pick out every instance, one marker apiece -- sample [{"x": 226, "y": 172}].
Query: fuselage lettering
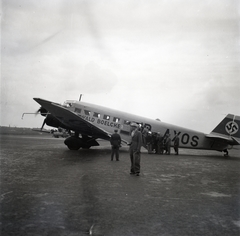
[
  {"x": 101, "y": 122},
  {"x": 88, "y": 118},
  {"x": 194, "y": 142},
  {"x": 175, "y": 134},
  {"x": 108, "y": 123},
  {"x": 185, "y": 138}
]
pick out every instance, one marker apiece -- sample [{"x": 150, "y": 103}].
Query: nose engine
[{"x": 49, "y": 120}]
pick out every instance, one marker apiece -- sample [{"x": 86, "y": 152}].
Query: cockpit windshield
[{"x": 68, "y": 103}]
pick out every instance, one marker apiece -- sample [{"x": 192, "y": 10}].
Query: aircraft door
[{"x": 125, "y": 129}]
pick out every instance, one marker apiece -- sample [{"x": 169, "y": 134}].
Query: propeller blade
[
  {"x": 42, "y": 111},
  {"x": 44, "y": 122}
]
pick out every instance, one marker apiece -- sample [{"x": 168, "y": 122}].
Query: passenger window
[
  {"x": 126, "y": 122},
  {"x": 97, "y": 115},
  {"x": 116, "y": 119},
  {"x": 87, "y": 112},
  {"x": 106, "y": 117}
]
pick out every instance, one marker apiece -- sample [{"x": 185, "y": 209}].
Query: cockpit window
[
  {"x": 77, "y": 110},
  {"x": 68, "y": 103}
]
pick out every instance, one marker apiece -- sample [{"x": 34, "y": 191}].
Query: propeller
[
  {"x": 42, "y": 111},
  {"x": 44, "y": 122}
]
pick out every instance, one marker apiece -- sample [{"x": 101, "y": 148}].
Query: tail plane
[{"x": 229, "y": 126}]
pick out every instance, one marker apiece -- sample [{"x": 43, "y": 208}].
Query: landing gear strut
[
  {"x": 225, "y": 152},
  {"x": 74, "y": 142}
]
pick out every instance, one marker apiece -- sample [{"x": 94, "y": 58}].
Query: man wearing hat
[
  {"x": 135, "y": 147},
  {"x": 168, "y": 144},
  {"x": 176, "y": 144},
  {"x": 115, "y": 141}
]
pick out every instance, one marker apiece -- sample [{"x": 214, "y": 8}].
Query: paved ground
[{"x": 48, "y": 190}]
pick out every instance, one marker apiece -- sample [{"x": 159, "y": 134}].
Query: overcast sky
[{"x": 176, "y": 60}]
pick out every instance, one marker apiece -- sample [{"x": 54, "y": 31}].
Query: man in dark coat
[
  {"x": 176, "y": 144},
  {"x": 160, "y": 147},
  {"x": 135, "y": 148},
  {"x": 115, "y": 141},
  {"x": 149, "y": 142}
]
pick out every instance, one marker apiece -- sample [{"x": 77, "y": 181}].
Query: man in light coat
[
  {"x": 168, "y": 144},
  {"x": 135, "y": 148}
]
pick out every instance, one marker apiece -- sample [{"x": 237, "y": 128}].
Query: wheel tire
[{"x": 71, "y": 147}]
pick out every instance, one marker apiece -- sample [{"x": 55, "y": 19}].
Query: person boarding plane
[{"x": 88, "y": 122}]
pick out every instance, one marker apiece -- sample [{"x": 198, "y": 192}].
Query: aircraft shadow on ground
[{"x": 86, "y": 155}]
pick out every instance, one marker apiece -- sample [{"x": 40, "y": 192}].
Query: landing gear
[
  {"x": 71, "y": 147},
  {"x": 225, "y": 152},
  {"x": 74, "y": 142}
]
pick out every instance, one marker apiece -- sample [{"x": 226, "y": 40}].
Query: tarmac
[{"x": 47, "y": 189}]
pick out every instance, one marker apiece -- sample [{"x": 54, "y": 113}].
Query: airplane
[
  {"x": 89, "y": 122},
  {"x": 57, "y": 133},
  {"x": 60, "y": 133}
]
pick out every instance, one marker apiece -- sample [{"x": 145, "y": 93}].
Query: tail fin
[{"x": 229, "y": 126}]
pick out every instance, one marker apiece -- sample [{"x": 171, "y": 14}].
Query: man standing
[
  {"x": 159, "y": 143},
  {"x": 149, "y": 141},
  {"x": 168, "y": 144},
  {"x": 115, "y": 141},
  {"x": 135, "y": 148},
  {"x": 144, "y": 135},
  {"x": 176, "y": 144}
]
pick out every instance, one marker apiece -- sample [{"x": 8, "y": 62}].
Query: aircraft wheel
[
  {"x": 73, "y": 143},
  {"x": 86, "y": 147},
  {"x": 73, "y": 147}
]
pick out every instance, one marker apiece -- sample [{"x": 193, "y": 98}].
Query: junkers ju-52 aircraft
[{"x": 89, "y": 122}]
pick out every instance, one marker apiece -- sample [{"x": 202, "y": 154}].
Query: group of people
[
  {"x": 153, "y": 141},
  {"x": 156, "y": 143}
]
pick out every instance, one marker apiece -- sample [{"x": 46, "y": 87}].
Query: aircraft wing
[
  {"x": 229, "y": 139},
  {"x": 72, "y": 121},
  {"x": 41, "y": 130}
]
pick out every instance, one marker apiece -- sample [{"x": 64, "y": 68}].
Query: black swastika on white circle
[{"x": 231, "y": 127}]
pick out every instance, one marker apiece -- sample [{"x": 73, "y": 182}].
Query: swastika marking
[{"x": 231, "y": 127}]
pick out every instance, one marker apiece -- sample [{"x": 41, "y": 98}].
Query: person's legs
[
  {"x": 137, "y": 158},
  {"x": 117, "y": 153},
  {"x": 112, "y": 154},
  {"x": 132, "y": 170}
]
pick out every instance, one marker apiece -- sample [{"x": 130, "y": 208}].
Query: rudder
[{"x": 229, "y": 126}]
